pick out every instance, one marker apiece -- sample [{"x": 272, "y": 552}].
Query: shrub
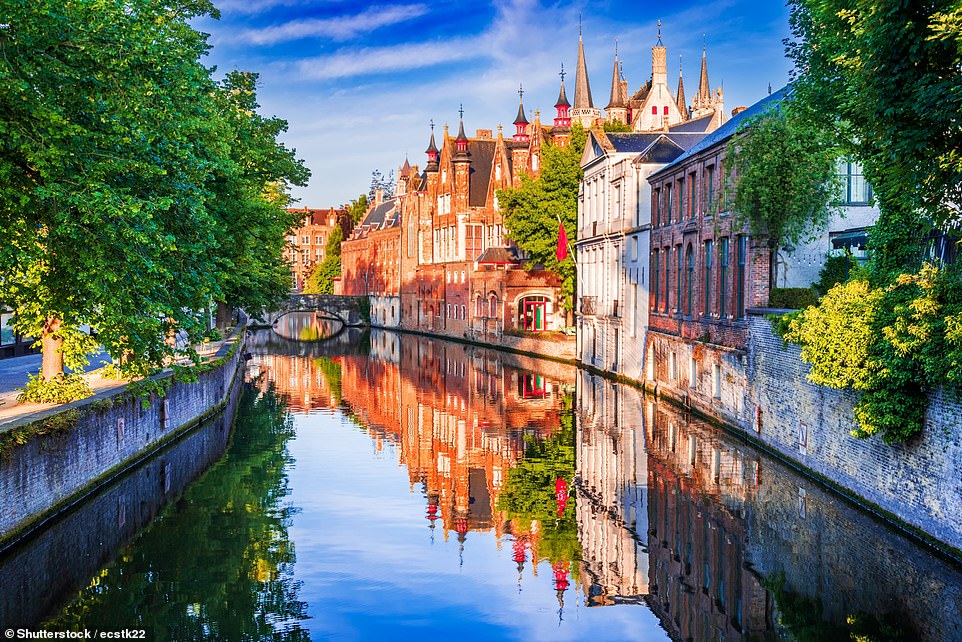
[
  {"x": 835, "y": 271},
  {"x": 792, "y": 298},
  {"x": 63, "y": 389}
]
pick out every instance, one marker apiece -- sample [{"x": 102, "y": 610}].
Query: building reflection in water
[{"x": 628, "y": 499}]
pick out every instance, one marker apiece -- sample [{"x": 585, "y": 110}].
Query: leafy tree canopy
[
  {"x": 884, "y": 77},
  {"x": 784, "y": 173},
  {"x": 532, "y": 210},
  {"x": 124, "y": 194}
]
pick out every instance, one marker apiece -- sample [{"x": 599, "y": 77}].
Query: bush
[
  {"x": 792, "y": 298},
  {"x": 835, "y": 271},
  {"x": 63, "y": 389}
]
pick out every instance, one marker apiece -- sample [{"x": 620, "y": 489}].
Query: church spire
[
  {"x": 617, "y": 109},
  {"x": 461, "y": 142},
  {"x": 584, "y": 109},
  {"x": 703, "y": 98},
  {"x": 680, "y": 95}
]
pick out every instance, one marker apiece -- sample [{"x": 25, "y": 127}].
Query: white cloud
[
  {"x": 350, "y": 62},
  {"x": 340, "y": 28}
]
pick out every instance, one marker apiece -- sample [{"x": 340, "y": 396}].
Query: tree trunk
[
  {"x": 225, "y": 315},
  {"x": 52, "y": 362}
]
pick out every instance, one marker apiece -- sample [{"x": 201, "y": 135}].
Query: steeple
[
  {"x": 617, "y": 109},
  {"x": 520, "y": 121},
  {"x": 432, "y": 152},
  {"x": 703, "y": 98},
  {"x": 461, "y": 142},
  {"x": 584, "y": 109},
  {"x": 680, "y": 94},
  {"x": 659, "y": 62}
]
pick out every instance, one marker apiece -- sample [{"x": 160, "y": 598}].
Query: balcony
[{"x": 589, "y": 305}]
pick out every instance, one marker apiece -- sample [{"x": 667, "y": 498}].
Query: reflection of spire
[
  {"x": 519, "y": 556},
  {"x": 561, "y": 585}
]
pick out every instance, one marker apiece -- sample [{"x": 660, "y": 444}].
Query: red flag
[{"x": 562, "y": 252}]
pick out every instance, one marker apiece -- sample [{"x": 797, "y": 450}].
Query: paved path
[{"x": 13, "y": 375}]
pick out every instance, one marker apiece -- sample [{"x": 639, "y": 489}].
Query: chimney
[{"x": 378, "y": 196}]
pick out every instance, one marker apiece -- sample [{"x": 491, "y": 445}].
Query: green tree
[
  {"x": 249, "y": 198},
  {"x": 321, "y": 278},
  {"x": 883, "y": 76},
  {"x": 117, "y": 145},
  {"x": 784, "y": 178},
  {"x": 533, "y": 210}
]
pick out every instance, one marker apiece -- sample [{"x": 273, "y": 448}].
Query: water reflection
[
  {"x": 218, "y": 565},
  {"x": 307, "y": 326},
  {"x": 437, "y": 489}
]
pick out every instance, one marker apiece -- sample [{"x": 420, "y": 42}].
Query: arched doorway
[{"x": 531, "y": 313}]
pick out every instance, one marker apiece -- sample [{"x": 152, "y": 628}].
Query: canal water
[{"x": 393, "y": 487}]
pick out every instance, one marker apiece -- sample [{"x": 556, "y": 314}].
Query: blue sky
[{"x": 359, "y": 83}]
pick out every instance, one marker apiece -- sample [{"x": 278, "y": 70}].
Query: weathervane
[
  {"x": 659, "y": 33},
  {"x": 520, "y": 93},
  {"x": 562, "y": 74},
  {"x": 461, "y": 111},
  {"x": 432, "y": 125}
]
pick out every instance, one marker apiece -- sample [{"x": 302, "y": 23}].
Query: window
[
  {"x": 305, "y": 240},
  {"x": 7, "y": 336},
  {"x": 673, "y": 366},
  {"x": 667, "y": 204},
  {"x": 665, "y": 110},
  {"x": 716, "y": 381},
  {"x": 693, "y": 373},
  {"x": 654, "y": 110},
  {"x": 318, "y": 240},
  {"x": 709, "y": 188},
  {"x": 692, "y": 182},
  {"x": 708, "y": 265},
  {"x": 854, "y": 189},
  {"x": 656, "y": 203},
  {"x": 679, "y": 268},
  {"x": 634, "y": 248},
  {"x": 723, "y": 278},
  {"x": 690, "y": 259},
  {"x": 740, "y": 277},
  {"x": 681, "y": 192},
  {"x": 667, "y": 254},
  {"x": 656, "y": 282}
]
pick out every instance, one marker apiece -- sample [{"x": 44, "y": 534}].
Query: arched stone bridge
[{"x": 349, "y": 310}]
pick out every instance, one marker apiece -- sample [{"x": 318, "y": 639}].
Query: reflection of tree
[
  {"x": 331, "y": 369},
  {"x": 217, "y": 564},
  {"x": 529, "y": 493}
]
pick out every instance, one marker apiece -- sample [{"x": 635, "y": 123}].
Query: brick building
[
  {"x": 434, "y": 256},
  {"x": 707, "y": 270},
  {"x": 307, "y": 243}
]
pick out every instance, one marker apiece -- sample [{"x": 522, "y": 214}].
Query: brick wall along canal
[{"x": 397, "y": 486}]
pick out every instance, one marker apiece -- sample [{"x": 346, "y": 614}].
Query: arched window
[
  {"x": 690, "y": 259},
  {"x": 479, "y": 307},
  {"x": 493, "y": 305}
]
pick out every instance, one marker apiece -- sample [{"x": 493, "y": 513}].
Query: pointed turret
[
  {"x": 520, "y": 121},
  {"x": 584, "y": 109},
  {"x": 461, "y": 142},
  {"x": 680, "y": 94},
  {"x": 432, "y": 152},
  {"x": 617, "y": 109}
]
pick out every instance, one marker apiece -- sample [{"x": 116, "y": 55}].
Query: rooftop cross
[
  {"x": 562, "y": 74},
  {"x": 461, "y": 110},
  {"x": 659, "y": 33}
]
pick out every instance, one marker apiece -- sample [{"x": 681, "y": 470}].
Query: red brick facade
[{"x": 307, "y": 244}]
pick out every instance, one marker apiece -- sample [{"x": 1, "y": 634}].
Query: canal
[{"x": 385, "y": 486}]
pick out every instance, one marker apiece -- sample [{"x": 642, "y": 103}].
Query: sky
[{"x": 360, "y": 83}]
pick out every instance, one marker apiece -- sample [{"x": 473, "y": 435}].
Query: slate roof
[
  {"x": 498, "y": 256},
  {"x": 727, "y": 130},
  {"x": 481, "y": 153},
  {"x": 695, "y": 125},
  {"x": 382, "y": 216}
]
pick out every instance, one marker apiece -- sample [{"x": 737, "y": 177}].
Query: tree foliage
[
  {"x": 784, "y": 176},
  {"x": 888, "y": 74},
  {"x": 892, "y": 344},
  {"x": 533, "y": 210},
  {"x": 321, "y": 278},
  {"x": 134, "y": 189}
]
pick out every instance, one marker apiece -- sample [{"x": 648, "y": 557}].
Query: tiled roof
[
  {"x": 727, "y": 130},
  {"x": 695, "y": 125},
  {"x": 384, "y": 215}
]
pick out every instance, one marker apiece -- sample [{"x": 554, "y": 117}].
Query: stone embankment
[{"x": 52, "y": 460}]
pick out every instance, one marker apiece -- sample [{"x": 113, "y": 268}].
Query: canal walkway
[{"x": 14, "y": 374}]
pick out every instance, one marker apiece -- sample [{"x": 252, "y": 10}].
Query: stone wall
[
  {"x": 48, "y": 570},
  {"x": 70, "y": 451},
  {"x": 919, "y": 482}
]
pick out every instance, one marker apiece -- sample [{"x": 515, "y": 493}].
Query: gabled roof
[
  {"x": 382, "y": 216},
  {"x": 481, "y": 153},
  {"x": 726, "y": 131},
  {"x": 663, "y": 150},
  {"x": 695, "y": 125},
  {"x": 498, "y": 256}
]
